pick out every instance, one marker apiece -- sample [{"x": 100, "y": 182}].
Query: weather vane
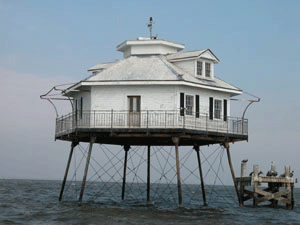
[{"x": 150, "y": 26}]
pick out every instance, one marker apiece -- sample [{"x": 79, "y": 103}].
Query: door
[{"x": 134, "y": 105}]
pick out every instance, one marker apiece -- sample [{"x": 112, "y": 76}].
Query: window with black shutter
[{"x": 211, "y": 108}]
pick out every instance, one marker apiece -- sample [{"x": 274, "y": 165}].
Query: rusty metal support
[
  {"x": 126, "y": 149},
  {"x": 92, "y": 141},
  {"x": 176, "y": 142},
  {"x": 73, "y": 145},
  {"x": 197, "y": 149},
  {"x": 148, "y": 175},
  {"x": 226, "y": 145}
]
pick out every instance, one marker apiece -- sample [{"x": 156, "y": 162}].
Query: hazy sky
[{"x": 44, "y": 43}]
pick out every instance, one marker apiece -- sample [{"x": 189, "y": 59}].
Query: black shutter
[
  {"x": 181, "y": 104},
  {"x": 225, "y": 110},
  {"x": 76, "y": 112},
  {"x": 138, "y": 104},
  {"x": 211, "y": 108},
  {"x": 197, "y": 106},
  {"x": 81, "y": 107},
  {"x": 76, "y": 108}
]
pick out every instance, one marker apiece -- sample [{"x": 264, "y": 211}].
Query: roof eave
[{"x": 160, "y": 82}]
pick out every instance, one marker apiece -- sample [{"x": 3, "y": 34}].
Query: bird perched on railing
[
  {"x": 290, "y": 175},
  {"x": 272, "y": 172},
  {"x": 260, "y": 173}
]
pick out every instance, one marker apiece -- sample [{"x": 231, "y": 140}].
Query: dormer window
[
  {"x": 199, "y": 68},
  {"x": 207, "y": 70}
]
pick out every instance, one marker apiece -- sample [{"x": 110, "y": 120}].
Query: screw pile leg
[
  {"x": 226, "y": 145},
  {"x": 73, "y": 145},
  {"x": 148, "y": 176},
  {"x": 92, "y": 141},
  {"x": 197, "y": 149},
  {"x": 176, "y": 142},
  {"x": 126, "y": 149}
]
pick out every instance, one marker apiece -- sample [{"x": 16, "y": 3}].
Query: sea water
[{"x": 36, "y": 202}]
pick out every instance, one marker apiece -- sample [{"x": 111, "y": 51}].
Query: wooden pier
[{"x": 278, "y": 189}]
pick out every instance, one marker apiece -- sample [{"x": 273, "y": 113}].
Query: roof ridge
[{"x": 188, "y": 51}]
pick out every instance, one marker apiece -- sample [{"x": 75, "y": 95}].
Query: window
[
  {"x": 189, "y": 104},
  {"x": 199, "y": 68},
  {"x": 207, "y": 69},
  {"x": 218, "y": 109}
]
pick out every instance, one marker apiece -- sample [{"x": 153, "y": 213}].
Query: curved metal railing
[{"x": 149, "y": 119}]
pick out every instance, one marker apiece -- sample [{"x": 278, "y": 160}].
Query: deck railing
[{"x": 149, "y": 119}]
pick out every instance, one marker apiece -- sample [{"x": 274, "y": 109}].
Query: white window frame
[
  {"x": 208, "y": 71},
  {"x": 189, "y": 104},
  {"x": 197, "y": 66},
  {"x": 217, "y": 108}
]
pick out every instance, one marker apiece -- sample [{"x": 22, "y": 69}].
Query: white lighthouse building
[
  {"x": 156, "y": 95},
  {"x": 154, "y": 86}
]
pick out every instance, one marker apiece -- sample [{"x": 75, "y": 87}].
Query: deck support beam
[
  {"x": 227, "y": 146},
  {"x": 92, "y": 141},
  {"x": 176, "y": 142},
  {"x": 126, "y": 149},
  {"x": 73, "y": 145},
  {"x": 148, "y": 175},
  {"x": 197, "y": 149}
]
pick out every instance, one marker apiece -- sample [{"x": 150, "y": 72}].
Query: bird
[
  {"x": 260, "y": 174},
  {"x": 272, "y": 172}
]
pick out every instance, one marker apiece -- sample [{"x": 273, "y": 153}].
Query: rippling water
[{"x": 36, "y": 202}]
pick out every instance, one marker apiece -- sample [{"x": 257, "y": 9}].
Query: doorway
[{"x": 134, "y": 105}]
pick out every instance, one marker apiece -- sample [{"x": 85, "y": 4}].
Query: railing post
[
  {"x": 165, "y": 119},
  {"x": 111, "y": 118},
  {"x": 94, "y": 118},
  {"x": 147, "y": 118},
  {"x": 206, "y": 122}
]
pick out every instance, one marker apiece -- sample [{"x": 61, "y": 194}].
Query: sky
[{"x": 45, "y": 43}]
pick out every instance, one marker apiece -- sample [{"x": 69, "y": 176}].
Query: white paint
[
  {"x": 146, "y": 83},
  {"x": 152, "y": 97},
  {"x": 115, "y": 97},
  {"x": 148, "y": 47},
  {"x": 187, "y": 65},
  {"x": 208, "y": 55}
]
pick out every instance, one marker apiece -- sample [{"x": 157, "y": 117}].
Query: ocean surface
[{"x": 36, "y": 202}]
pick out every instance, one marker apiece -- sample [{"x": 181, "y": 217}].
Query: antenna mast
[{"x": 149, "y": 25}]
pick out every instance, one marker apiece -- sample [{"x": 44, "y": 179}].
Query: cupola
[{"x": 147, "y": 46}]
